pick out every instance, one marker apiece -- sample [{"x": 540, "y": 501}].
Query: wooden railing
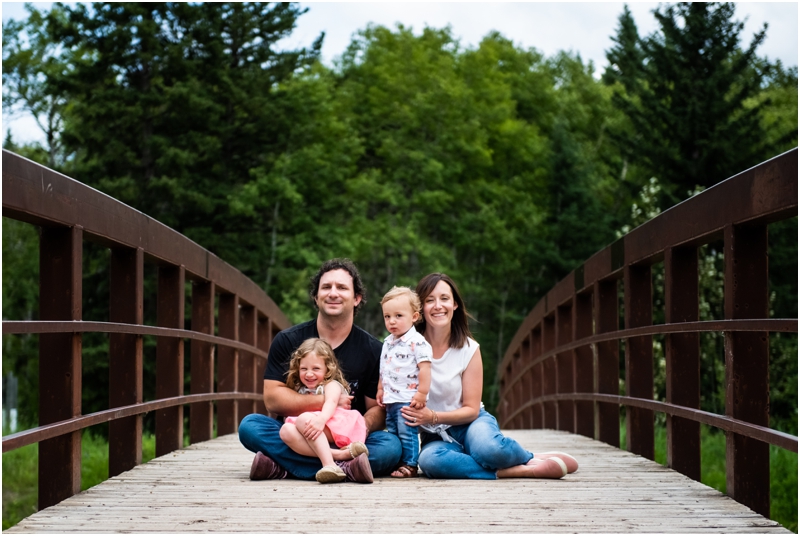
[
  {"x": 68, "y": 213},
  {"x": 561, "y": 369}
]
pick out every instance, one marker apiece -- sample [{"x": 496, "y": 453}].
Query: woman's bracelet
[{"x": 435, "y": 417}]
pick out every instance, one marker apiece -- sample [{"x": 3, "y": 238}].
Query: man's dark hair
[{"x": 339, "y": 264}]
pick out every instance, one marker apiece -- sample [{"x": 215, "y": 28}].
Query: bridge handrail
[
  {"x": 562, "y": 366},
  {"x": 70, "y": 212}
]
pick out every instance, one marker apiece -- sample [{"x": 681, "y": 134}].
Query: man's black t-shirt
[{"x": 359, "y": 357}]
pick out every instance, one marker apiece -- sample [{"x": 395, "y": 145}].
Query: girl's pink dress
[{"x": 346, "y": 425}]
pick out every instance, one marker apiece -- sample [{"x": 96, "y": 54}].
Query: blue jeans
[
  {"x": 261, "y": 433},
  {"x": 481, "y": 450},
  {"x": 408, "y": 435}
]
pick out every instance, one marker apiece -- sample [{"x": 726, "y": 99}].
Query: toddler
[
  {"x": 405, "y": 372},
  {"x": 313, "y": 369}
]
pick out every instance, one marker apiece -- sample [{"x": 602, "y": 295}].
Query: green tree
[{"x": 685, "y": 89}]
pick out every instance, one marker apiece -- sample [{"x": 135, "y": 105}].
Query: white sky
[{"x": 582, "y": 27}]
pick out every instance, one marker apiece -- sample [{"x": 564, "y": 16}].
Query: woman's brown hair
[{"x": 459, "y": 326}]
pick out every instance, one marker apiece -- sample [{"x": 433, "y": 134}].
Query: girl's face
[
  {"x": 439, "y": 306},
  {"x": 399, "y": 316},
  {"x": 312, "y": 370}
]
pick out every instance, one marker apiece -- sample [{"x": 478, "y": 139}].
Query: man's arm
[
  {"x": 282, "y": 400},
  {"x": 375, "y": 415}
]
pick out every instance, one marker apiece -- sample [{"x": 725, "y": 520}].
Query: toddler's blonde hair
[
  {"x": 413, "y": 299},
  {"x": 323, "y": 350}
]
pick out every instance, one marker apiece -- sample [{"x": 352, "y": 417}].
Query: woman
[{"x": 459, "y": 438}]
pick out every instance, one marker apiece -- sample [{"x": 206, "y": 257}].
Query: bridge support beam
[
  {"x": 125, "y": 358},
  {"x": 640, "y": 424},
  {"x": 747, "y": 364},
  {"x": 228, "y": 364},
  {"x": 565, "y": 371},
  {"x": 247, "y": 361},
  {"x": 201, "y": 414},
  {"x": 583, "y": 364},
  {"x": 683, "y": 359},
  {"x": 606, "y": 319},
  {"x": 169, "y": 358},
  {"x": 60, "y": 292}
]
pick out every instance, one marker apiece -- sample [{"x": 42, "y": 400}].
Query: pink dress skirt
[{"x": 346, "y": 425}]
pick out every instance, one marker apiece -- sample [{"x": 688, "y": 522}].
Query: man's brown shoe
[
  {"x": 265, "y": 468},
  {"x": 357, "y": 469}
]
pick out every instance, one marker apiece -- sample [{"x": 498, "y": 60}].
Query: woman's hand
[{"x": 417, "y": 416}]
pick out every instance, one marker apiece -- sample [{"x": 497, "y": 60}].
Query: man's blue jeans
[
  {"x": 408, "y": 435},
  {"x": 261, "y": 433},
  {"x": 481, "y": 450}
]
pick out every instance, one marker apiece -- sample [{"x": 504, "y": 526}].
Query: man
[{"x": 337, "y": 293}]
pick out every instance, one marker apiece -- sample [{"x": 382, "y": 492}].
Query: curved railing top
[
  {"x": 41, "y": 196},
  {"x": 756, "y": 196}
]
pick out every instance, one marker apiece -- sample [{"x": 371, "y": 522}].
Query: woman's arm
[{"x": 471, "y": 392}]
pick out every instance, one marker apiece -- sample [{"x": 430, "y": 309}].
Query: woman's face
[{"x": 439, "y": 306}]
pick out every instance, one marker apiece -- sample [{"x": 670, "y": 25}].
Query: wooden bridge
[{"x": 560, "y": 373}]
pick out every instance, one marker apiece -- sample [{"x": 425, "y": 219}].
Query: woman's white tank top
[{"x": 446, "y": 392}]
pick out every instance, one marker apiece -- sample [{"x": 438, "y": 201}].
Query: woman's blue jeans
[
  {"x": 481, "y": 450},
  {"x": 261, "y": 433}
]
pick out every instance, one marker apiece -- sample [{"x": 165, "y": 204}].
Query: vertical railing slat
[
  {"x": 681, "y": 296},
  {"x": 125, "y": 367},
  {"x": 549, "y": 372},
  {"x": 583, "y": 360},
  {"x": 564, "y": 363},
  {"x": 606, "y": 319},
  {"x": 169, "y": 358},
  {"x": 201, "y": 414},
  {"x": 228, "y": 364},
  {"x": 263, "y": 342},
  {"x": 747, "y": 364},
  {"x": 640, "y": 424},
  {"x": 247, "y": 363},
  {"x": 60, "y": 292}
]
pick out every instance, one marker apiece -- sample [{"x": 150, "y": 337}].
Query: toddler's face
[
  {"x": 312, "y": 370},
  {"x": 398, "y": 316}
]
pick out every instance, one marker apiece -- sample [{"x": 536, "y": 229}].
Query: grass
[
  {"x": 20, "y": 468},
  {"x": 782, "y": 471}
]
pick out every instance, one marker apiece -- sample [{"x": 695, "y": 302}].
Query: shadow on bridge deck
[{"x": 205, "y": 488}]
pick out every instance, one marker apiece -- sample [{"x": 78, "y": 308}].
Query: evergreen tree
[{"x": 685, "y": 92}]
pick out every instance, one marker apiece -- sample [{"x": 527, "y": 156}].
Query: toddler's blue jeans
[{"x": 408, "y": 435}]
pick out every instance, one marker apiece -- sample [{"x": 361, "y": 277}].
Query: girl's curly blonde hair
[{"x": 323, "y": 350}]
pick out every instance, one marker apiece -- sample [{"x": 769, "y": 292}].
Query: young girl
[{"x": 313, "y": 369}]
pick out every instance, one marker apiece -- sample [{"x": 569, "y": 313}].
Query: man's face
[{"x": 335, "y": 296}]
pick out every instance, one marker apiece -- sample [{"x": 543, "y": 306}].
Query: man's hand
[
  {"x": 418, "y": 400},
  {"x": 345, "y": 400}
]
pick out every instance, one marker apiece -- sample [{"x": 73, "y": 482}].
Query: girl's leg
[
  {"x": 295, "y": 440},
  {"x": 320, "y": 445}
]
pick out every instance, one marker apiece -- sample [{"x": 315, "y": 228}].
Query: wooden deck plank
[{"x": 205, "y": 488}]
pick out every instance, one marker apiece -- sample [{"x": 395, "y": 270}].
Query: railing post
[
  {"x": 169, "y": 358},
  {"x": 606, "y": 320},
  {"x": 683, "y": 358},
  {"x": 527, "y": 386},
  {"x": 60, "y": 290},
  {"x": 228, "y": 364},
  {"x": 537, "y": 381},
  {"x": 565, "y": 372},
  {"x": 125, "y": 384},
  {"x": 263, "y": 341},
  {"x": 583, "y": 364},
  {"x": 247, "y": 361},
  {"x": 549, "y": 372},
  {"x": 747, "y": 364},
  {"x": 201, "y": 414},
  {"x": 640, "y": 425}
]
